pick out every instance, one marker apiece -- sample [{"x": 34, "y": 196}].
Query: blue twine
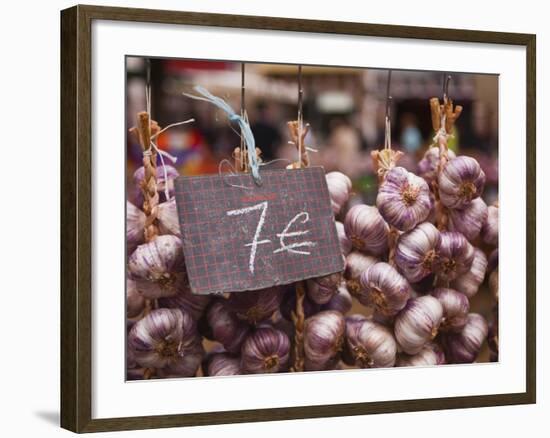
[{"x": 243, "y": 124}]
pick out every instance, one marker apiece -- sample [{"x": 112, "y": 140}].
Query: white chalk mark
[
  {"x": 254, "y": 245},
  {"x": 285, "y": 234}
]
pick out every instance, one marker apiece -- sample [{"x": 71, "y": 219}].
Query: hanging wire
[
  {"x": 148, "y": 85},
  {"x": 300, "y": 115},
  {"x": 446, "y": 80},
  {"x": 387, "y": 136},
  {"x": 243, "y": 111}
]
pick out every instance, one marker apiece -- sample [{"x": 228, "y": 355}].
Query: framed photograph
[{"x": 268, "y": 219}]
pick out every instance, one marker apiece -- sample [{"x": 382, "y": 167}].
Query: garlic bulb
[
  {"x": 135, "y": 303},
  {"x": 257, "y": 305},
  {"x": 172, "y": 174},
  {"x": 356, "y": 264},
  {"x": 366, "y": 229},
  {"x": 429, "y": 355},
  {"x": 341, "y": 302},
  {"x": 323, "y": 336},
  {"x": 368, "y": 344},
  {"x": 416, "y": 251},
  {"x": 460, "y": 181},
  {"x": 167, "y": 215},
  {"x": 455, "y": 308},
  {"x": 163, "y": 338},
  {"x": 418, "y": 323},
  {"x": 469, "y": 220},
  {"x": 288, "y": 305},
  {"x": 266, "y": 350},
  {"x": 320, "y": 290},
  {"x": 456, "y": 255},
  {"x": 339, "y": 188},
  {"x": 490, "y": 228},
  {"x": 331, "y": 364},
  {"x": 403, "y": 199},
  {"x": 158, "y": 267},
  {"x": 223, "y": 364},
  {"x": 225, "y": 327},
  {"x": 135, "y": 227},
  {"x": 427, "y": 166},
  {"x": 187, "y": 366},
  {"x": 187, "y": 300},
  {"x": 345, "y": 243},
  {"x": 492, "y": 262},
  {"x": 469, "y": 282},
  {"x": 464, "y": 347},
  {"x": 384, "y": 289}
]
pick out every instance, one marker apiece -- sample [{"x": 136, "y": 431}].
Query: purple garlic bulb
[
  {"x": 385, "y": 289},
  {"x": 403, "y": 199},
  {"x": 366, "y": 229},
  {"x": 187, "y": 300},
  {"x": 455, "y": 308},
  {"x": 456, "y": 255},
  {"x": 489, "y": 232},
  {"x": 464, "y": 347},
  {"x": 163, "y": 338},
  {"x": 469, "y": 220},
  {"x": 257, "y": 305},
  {"x": 339, "y": 188},
  {"x": 416, "y": 252},
  {"x": 187, "y": 366},
  {"x": 418, "y": 323},
  {"x": 492, "y": 262},
  {"x": 167, "y": 216},
  {"x": 172, "y": 173},
  {"x": 429, "y": 355},
  {"x": 223, "y": 364},
  {"x": 427, "y": 166},
  {"x": 225, "y": 327},
  {"x": 356, "y": 264},
  {"x": 469, "y": 282},
  {"x": 266, "y": 350},
  {"x": 158, "y": 267},
  {"x": 135, "y": 303},
  {"x": 288, "y": 305},
  {"x": 368, "y": 343},
  {"x": 345, "y": 243},
  {"x": 320, "y": 290},
  {"x": 460, "y": 181},
  {"x": 341, "y": 302},
  {"x": 135, "y": 227},
  {"x": 323, "y": 337}
]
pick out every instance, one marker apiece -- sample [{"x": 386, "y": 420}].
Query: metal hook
[
  {"x": 300, "y": 94},
  {"x": 148, "y": 85},
  {"x": 446, "y": 80},
  {"x": 388, "y": 97}
]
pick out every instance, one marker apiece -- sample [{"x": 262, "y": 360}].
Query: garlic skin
[
  {"x": 455, "y": 308},
  {"x": 416, "y": 251},
  {"x": 135, "y": 302},
  {"x": 489, "y": 232},
  {"x": 345, "y": 244},
  {"x": 163, "y": 338},
  {"x": 469, "y": 282},
  {"x": 323, "y": 336},
  {"x": 385, "y": 289},
  {"x": 257, "y": 305},
  {"x": 167, "y": 216},
  {"x": 135, "y": 227},
  {"x": 223, "y": 364},
  {"x": 339, "y": 188},
  {"x": 158, "y": 267},
  {"x": 366, "y": 229},
  {"x": 368, "y": 344},
  {"x": 356, "y": 264},
  {"x": 403, "y": 199},
  {"x": 464, "y": 347},
  {"x": 321, "y": 290},
  {"x": 187, "y": 300},
  {"x": 341, "y": 302},
  {"x": 456, "y": 255},
  {"x": 225, "y": 327},
  {"x": 427, "y": 166},
  {"x": 418, "y": 323},
  {"x": 266, "y": 350},
  {"x": 469, "y": 220},
  {"x": 331, "y": 364},
  {"x": 429, "y": 355},
  {"x": 460, "y": 181}
]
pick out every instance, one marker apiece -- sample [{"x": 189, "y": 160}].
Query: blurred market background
[{"x": 344, "y": 106}]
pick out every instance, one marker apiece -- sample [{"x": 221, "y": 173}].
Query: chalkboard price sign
[{"x": 238, "y": 236}]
